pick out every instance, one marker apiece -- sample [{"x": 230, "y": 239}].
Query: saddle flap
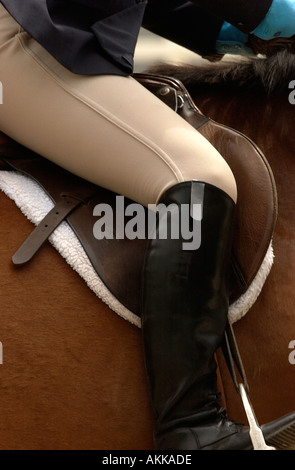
[
  {"x": 118, "y": 262},
  {"x": 256, "y": 210}
]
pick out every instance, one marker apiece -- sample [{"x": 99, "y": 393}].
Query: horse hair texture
[{"x": 267, "y": 75}]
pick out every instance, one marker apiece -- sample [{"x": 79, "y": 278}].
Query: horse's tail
[
  {"x": 261, "y": 73},
  {"x": 204, "y": 74}
]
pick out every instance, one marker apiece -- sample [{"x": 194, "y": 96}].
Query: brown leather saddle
[{"x": 118, "y": 262}]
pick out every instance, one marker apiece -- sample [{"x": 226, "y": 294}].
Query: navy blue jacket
[{"x": 99, "y": 36}]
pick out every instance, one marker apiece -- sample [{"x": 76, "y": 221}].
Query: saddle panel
[
  {"x": 118, "y": 262},
  {"x": 256, "y": 210}
]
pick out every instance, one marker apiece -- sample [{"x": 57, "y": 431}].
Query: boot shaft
[{"x": 185, "y": 304}]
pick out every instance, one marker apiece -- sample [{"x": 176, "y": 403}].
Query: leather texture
[
  {"x": 184, "y": 316},
  {"x": 115, "y": 259},
  {"x": 256, "y": 211},
  {"x": 228, "y": 435},
  {"x": 184, "y": 310}
]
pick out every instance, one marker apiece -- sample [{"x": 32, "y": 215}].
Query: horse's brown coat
[{"x": 73, "y": 371}]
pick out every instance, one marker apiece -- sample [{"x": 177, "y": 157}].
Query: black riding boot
[{"x": 184, "y": 315}]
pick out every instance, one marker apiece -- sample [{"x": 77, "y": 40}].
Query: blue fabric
[
  {"x": 232, "y": 41},
  {"x": 279, "y": 21}
]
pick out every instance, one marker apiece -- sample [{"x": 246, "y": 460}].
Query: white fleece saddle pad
[{"x": 34, "y": 203}]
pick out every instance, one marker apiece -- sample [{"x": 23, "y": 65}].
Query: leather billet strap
[
  {"x": 66, "y": 190},
  {"x": 233, "y": 359},
  {"x": 43, "y": 231}
]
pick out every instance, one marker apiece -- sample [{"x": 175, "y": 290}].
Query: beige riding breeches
[{"x": 107, "y": 129}]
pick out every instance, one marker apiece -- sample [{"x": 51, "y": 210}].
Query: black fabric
[
  {"x": 244, "y": 14},
  {"x": 99, "y": 36},
  {"x": 196, "y": 24},
  {"x": 87, "y": 36},
  {"x": 184, "y": 23}
]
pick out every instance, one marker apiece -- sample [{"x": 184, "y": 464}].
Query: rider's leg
[
  {"x": 107, "y": 129},
  {"x": 113, "y": 132}
]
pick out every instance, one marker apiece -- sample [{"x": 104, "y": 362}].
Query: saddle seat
[{"x": 118, "y": 262}]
